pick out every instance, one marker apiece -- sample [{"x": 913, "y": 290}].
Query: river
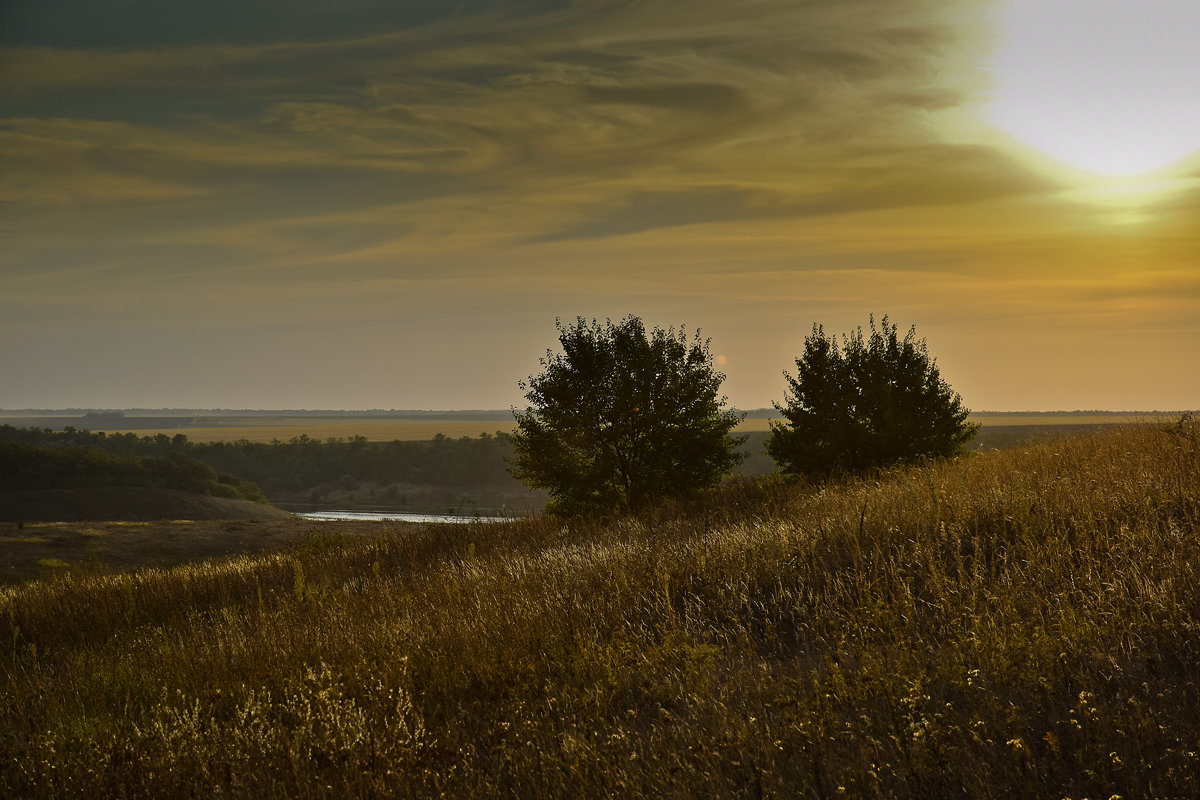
[{"x": 395, "y": 516}]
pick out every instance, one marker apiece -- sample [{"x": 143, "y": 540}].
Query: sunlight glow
[
  {"x": 1133, "y": 201},
  {"x": 1109, "y": 86}
]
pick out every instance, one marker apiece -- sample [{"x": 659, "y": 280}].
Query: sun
[{"x": 1107, "y": 86}]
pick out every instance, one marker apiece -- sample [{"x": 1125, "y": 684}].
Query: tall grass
[{"x": 1018, "y": 623}]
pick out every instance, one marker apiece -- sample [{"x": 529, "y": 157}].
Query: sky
[{"x": 368, "y": 204}]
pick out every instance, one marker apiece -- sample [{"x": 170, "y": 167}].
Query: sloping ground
[
  {"x": 46, "y": 550},
  {"x": 127, "y": 503},
  {"x": 1022, "y": 623}
]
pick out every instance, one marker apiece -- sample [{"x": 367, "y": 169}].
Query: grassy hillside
[
  {"x": 129, "y": 503},
  {"x": 1021, "y": 623},
  {"x": 34, "y": 550},
  {"x": 443, "y": 474}
]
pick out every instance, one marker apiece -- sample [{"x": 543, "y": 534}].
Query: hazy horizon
[
  {"x": 380, "y": 205},
  {"x": 363, "y": 412}
]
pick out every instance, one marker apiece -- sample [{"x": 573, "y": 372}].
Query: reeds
[{"x": 1017, "y": 623}]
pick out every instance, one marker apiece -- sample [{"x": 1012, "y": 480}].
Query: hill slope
[
  {"x": 129, "y": 503},
  {"x": 59, "y": 480},
  {"x": 1015, "y": 624}
]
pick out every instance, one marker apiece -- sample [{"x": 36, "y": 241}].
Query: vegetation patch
[
  {"x": 424, "y": 477},
  {"x": 51, "y": 476},
  {"x": 1021, "y": 623}
]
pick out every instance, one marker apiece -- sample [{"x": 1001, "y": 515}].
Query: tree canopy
[
  {"x": 621, "y": 418},
  {"x": 873, "y": 401}
]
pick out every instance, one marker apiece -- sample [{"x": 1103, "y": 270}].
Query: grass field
[
  {"x": 1057, "y": 420},
  {"x": 1014, "y": 624},
  {"x": 265, "y": 429}
]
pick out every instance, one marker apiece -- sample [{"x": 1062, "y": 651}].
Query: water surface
[{"x": 396, "y": 516}]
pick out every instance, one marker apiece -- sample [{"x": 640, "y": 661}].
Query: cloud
[
  {"x": 646, "y": 211},
  {"x": 749, "y": 163},
  {"x": 493, "y": 80},
  {"x": 866, "y": 181},
  {"x": 704, "y": 98},
  {"x": 144, "y": 23}
]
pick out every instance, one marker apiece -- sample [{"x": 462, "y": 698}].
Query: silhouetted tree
[
  {"x": 621, "y": 418},
  {"x": 874, "y": 401}
]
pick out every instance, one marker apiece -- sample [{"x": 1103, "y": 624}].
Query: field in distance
[{"x": 380, "y": 428}]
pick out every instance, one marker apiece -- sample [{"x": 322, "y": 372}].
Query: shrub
[
  {"x": 621, "y": 418},
  {"x": 873, "y": 401}
]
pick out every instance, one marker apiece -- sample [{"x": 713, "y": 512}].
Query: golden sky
[{"x": 368, "y": 204}]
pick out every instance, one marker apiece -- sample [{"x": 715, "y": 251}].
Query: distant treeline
[
  {"x": 302, "y": 462},
  {"x": 26, "y": 466},
  {"x": 288, "y": 471},
  {"x": 86, "y": 414}
]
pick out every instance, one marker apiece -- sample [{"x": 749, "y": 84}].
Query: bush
[
  {"x": 874, "y": 401},
  {"x": 621, "y": 418}
]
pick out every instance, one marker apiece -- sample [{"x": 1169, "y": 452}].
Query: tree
[
  {"x": 621, "y": 418},
  {"x": 872, "y": 402}
]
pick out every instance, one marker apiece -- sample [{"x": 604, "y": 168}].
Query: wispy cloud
[{"x": 226, "y": 165}]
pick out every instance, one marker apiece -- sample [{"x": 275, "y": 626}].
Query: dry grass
[
  {"x": 49, "y": 549},
  {"x": 1023, "y": 623},
  {"x": 1068, "y": 421},
  {"x": 1056, "y": 420}
]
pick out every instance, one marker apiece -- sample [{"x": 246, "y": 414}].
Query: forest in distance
[
  {"x": 436, "y": 473},
  {"x": 464, "y": 475}
]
